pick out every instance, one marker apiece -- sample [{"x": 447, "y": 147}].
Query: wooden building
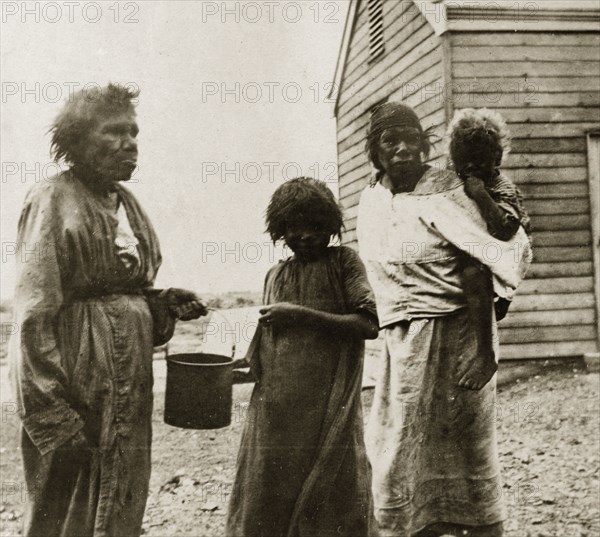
[{"x": 538, "y": 64}]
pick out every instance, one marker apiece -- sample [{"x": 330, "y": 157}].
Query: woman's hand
[
  {"x": 281, "y": 314},
  {"x": 185, "y": 305}
]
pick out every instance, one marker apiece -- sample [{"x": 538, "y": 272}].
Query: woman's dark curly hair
[
  {"x": 81, "y": 113},
  {"x": 303, "y": 199}
]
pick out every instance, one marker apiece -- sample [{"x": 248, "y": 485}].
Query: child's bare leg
[{"x": 477, "y": 287}]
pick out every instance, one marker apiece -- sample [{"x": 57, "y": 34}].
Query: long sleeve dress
[
  {"x": 302, "y": 469},
  {"x": 83, "y": 360}
]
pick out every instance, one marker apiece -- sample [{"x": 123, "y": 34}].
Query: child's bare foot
[{"x": 479, "y": 371}]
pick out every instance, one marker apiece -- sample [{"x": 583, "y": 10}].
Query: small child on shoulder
[{"x": 478, "y": 140}]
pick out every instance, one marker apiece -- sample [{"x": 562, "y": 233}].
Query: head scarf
[{"x": 392, "y": 114}]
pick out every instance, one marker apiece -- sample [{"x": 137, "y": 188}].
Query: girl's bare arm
[{"x": 283, "y": 313}]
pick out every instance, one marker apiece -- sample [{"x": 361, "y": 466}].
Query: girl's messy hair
[
  {"x": 303, "y": 199},
  {"x": 477, "y": 132}
]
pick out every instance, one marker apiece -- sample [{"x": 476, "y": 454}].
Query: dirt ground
[{"x": 549, "y": 443}]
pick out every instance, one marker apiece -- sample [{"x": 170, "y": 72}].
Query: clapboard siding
[
  {"x": 562, "y": 238},
  {"x": 521, "y": 39},
  {"x": 472, "y": 99},
  {"x": 559, "y": 145},
  {"x": 552, "y": 116},
  {"x": 527, "y": 89},
  {"x": 530, "y": 52},
  {"x": 409, "y": 70},
  {"x": 396, "y": 32},
  {"x": 411, "y": 48},
  {"x": 546, "y": 86},
  {"x": 543, "y": 334},
  {"x": 398, "y": 24},
  {"x": 582, "y": 284},
  {"x": 526, "y": 69},
  {"x": 549, "y": 318},
  {"x": 547, "y": 302},
  {"x": 427, "y": 81},
  {"x": 560, "y": 269},
  {"x": 554, "y": 190},
  {"x": 564, "y": 206},
  {"x": 556, "y": 349},
  {"x": 560, "y": 222},
  {"x": 543, "y": 160},
  {"x": 554, "y": 254},
  {"x": 361, "y": 33}
]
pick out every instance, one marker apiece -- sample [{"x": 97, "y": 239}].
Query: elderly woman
[
  {"x": 431, "y": 443},
  {"x": 89, "y": 318}
]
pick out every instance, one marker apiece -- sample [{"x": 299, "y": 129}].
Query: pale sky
[{"x": 233, "y": 102}]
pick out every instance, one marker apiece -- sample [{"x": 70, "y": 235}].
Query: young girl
[
  {"x": 302, "y": 469},
  {"x": 478, "y": 140}
]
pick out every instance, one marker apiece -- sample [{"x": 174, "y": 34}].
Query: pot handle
[{"x": 214, "y": 310}]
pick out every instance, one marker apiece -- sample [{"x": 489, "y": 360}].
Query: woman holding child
[{"x": 431, "y": 435}]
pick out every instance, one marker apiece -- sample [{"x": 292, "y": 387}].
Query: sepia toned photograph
[{"x": 300, "y": 268}]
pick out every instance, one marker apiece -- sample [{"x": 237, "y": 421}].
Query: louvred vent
[{"x": 375, "y": 8}]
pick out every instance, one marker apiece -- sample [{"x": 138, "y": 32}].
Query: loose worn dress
[
  {"x": 302, "y": 469},
  {"x": 432, "y": 444},
  {"x": 83, "y": 360}
]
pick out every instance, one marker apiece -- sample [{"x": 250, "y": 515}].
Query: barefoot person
[
  {"x": 431, "y": 443},
  {"x": 89, "y": 318},
  {"x": 478, "y": 139},
  {"x": 302, "y": 469}
]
